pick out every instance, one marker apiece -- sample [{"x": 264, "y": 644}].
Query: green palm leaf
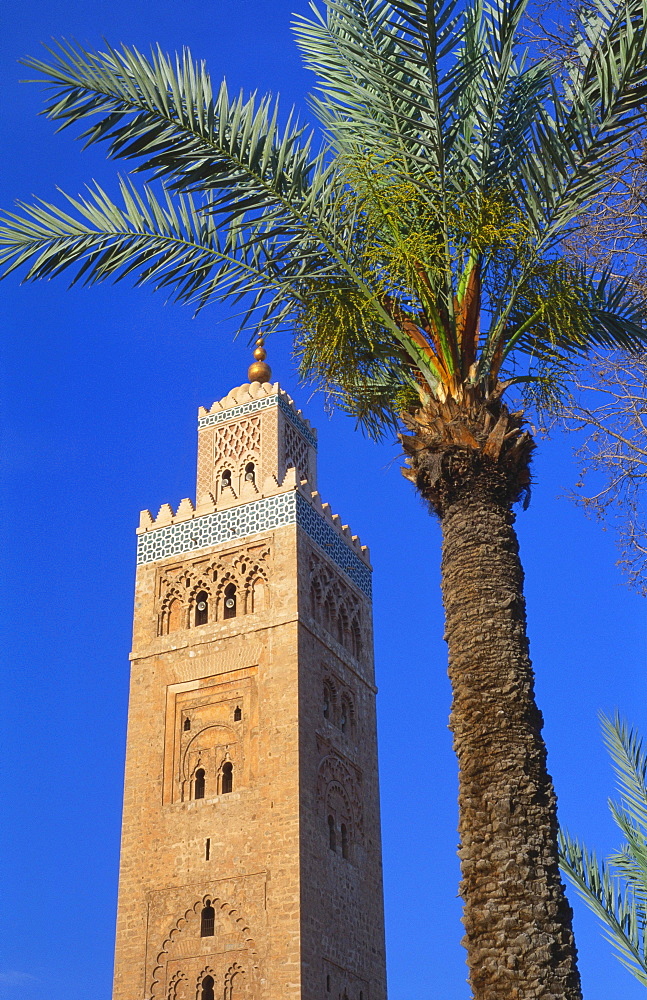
[
  {"x": 617, "y": 890},
  {"x": 428, "y": 218}
]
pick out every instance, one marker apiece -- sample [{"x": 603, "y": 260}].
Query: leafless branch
[{"x": 610, "y": 407}]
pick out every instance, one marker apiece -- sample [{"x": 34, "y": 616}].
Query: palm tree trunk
[{"x": 517, "y": 918}]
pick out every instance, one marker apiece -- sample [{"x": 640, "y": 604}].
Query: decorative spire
[{"x": 259, "y": 371}]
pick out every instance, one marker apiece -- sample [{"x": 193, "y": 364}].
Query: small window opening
[
  {"x": 332, "y": 834},
  {"x": 361, "y": 995},
  {"x": 227, "y": 783},
  {"x": 202, "y": 608},
  {"x": 327, "y": 702},
  {"x": 327, "y": 984},
  {"x": 343, "y": 721},
  {"x": 226, "y": 478},
  {"x": 207, "y": 988},
  {"x": 207, "y": 921},
  {"x": 344, "y": 841},
  {"x": 230, "y": 601},
  {"x": 250, "y": 473},
  {"x": 198, "y": 787},
  {"x": 238, "y": 714},
  {"x": 207, "y": 849},
  {"x": 187, "y": 724}
]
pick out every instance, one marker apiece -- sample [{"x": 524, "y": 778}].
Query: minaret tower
[{"x": 250, "y": 858}]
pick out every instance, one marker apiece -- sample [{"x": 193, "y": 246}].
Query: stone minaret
[{"x": 250, "y": 859}]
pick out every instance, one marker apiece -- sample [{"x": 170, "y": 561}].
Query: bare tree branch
[{"x": 611, "y": 409}]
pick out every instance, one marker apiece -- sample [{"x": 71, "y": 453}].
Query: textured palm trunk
[
  {"x": 517, "y": 919},
  {"x": 470, "y": 462}
]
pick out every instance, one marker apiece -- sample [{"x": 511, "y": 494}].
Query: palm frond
[
  {"x": 165, "y": 114},
  {"x": 617, "y": 891},
  {"x": 427, "y": 223},
  {"x": 623, "y": 923},
  {"x": 168, "y": 240}
]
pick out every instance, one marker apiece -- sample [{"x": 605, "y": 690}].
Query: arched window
[
  {"x": 315, "y": 598},
  {"x": 207, "y": 920},
  {"x": 327, "y": 701},
  {"x": 207, "y": 988},
  {"x": 344, "y": 841},
  {"x": 187, "y": 724},
  {"x": 355, "y": 639},
  {"x": 198, "y": 784},
  {"x": 329, "y": 613},
  {"x": 225, "y": 479},
  {"x": 174, "y": 615},
  {"x": 259, "y": 595},
  {"x": 347, "y": 715},
  {"x": 332, "y": 834},
  {"x": 343, "y": 630},
  {"x": 250, "y": 473},
  {"x": 238, "y": 713},
  {"x": 202, "y": 608},
  {"x": 230, "y": 601},
  {"x": 227, "y": 782}
]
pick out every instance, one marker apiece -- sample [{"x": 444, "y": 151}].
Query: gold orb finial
[{"x": 259, "y": 371}]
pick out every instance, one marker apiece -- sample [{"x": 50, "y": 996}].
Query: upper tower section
[
  {"x": 247, "y": 442},
  {"x": 257, "y": 471}
]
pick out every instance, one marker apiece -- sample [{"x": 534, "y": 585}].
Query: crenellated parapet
[
  {"x": 256, "y": 472},
  {"x": 191, "y": 529}
]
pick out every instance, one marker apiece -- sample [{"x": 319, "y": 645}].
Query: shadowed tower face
[{"x": 250, "y": 859}]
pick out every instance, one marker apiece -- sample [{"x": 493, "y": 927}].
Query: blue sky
[{"x": 101, "y": 388}]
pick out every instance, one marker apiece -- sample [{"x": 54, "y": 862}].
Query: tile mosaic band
[
  {"x": 250, "y": 519},
  {"x": 252, "y": 407}
]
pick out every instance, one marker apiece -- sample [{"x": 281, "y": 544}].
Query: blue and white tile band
[
  {"x": 251, "y": 519},
  {"x": 211, "y": 419}
]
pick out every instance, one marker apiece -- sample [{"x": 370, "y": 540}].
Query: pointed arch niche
[{"x": 187, "y": 964}]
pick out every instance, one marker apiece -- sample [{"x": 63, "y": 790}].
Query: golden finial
[{"x": 259, "y": 371}]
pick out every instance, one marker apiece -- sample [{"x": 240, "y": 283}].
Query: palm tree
[
  {"x": 617, "y": 892},
  {"x": 416, "y": 252}
]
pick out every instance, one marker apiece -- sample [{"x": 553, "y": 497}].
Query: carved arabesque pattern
[
  {"x": 295, "y": 452},
  {"x": 334, "y": 606},
  {"x": 339, "y": 705},
  {"x": 233, "y": 441},
  {"x": 336, "y": 776},
  {"x": 189, "y": 924},
  {"x": 244, "y": 569}
]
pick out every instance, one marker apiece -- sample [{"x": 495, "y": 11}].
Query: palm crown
[{"x": 416, "y": 248}]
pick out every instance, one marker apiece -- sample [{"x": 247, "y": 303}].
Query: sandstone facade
[{"x": 251, "y": 861}]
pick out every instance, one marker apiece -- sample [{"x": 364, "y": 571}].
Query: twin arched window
[
  {"x": 176, "y": 615},
  {"x": 249, "y": 476},
  {"x": 226, "y": 781},
  {"x": 344, "y": 718},
  {"x": 334, "y": 615}
]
